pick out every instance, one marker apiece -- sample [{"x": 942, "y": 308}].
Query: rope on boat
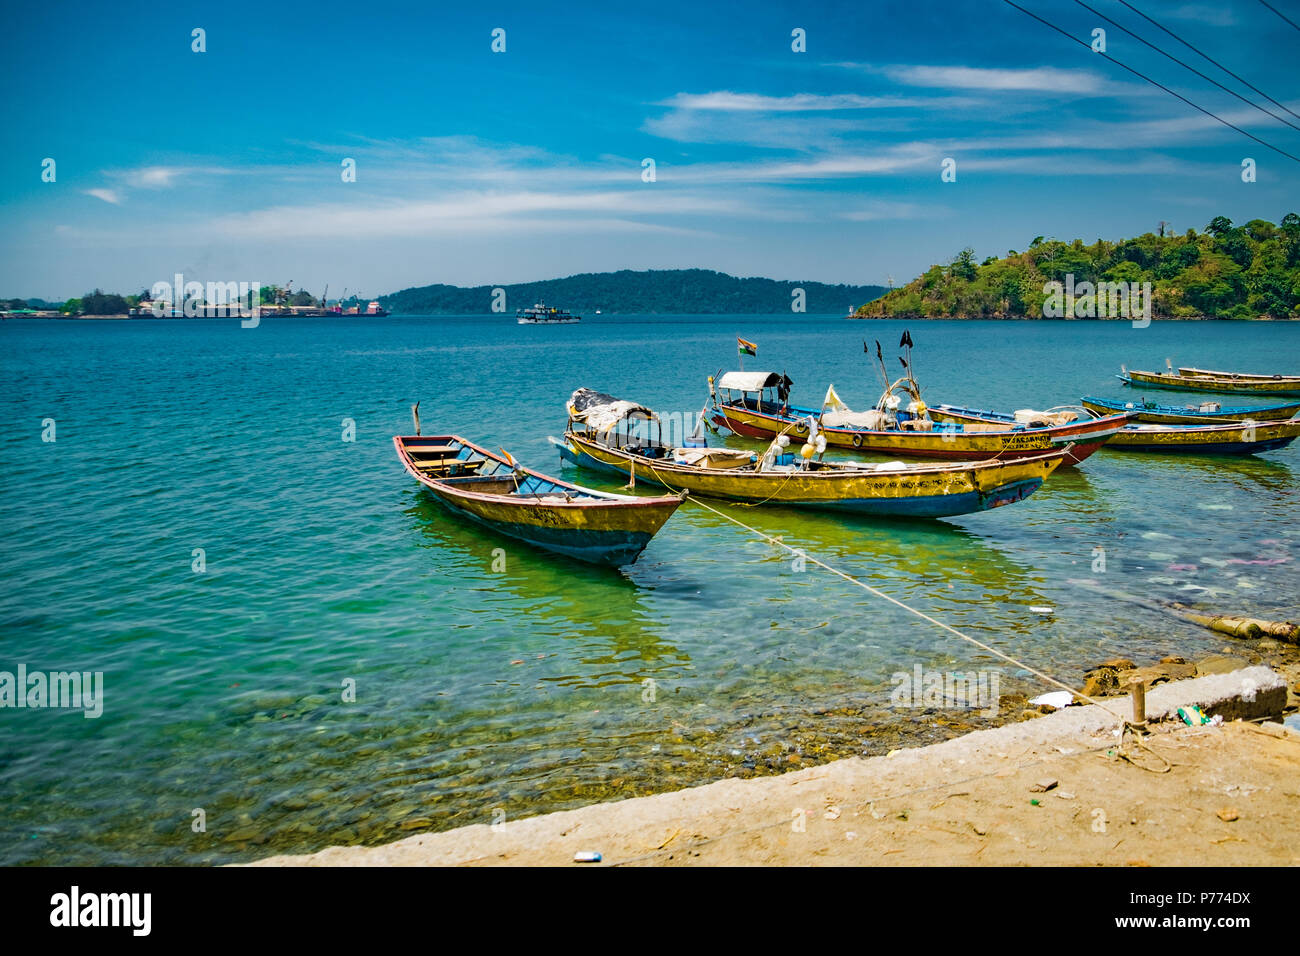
[{"x": 648, "y": 463}]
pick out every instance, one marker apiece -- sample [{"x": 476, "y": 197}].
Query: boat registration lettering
[{"x": 1028, "y": 442}]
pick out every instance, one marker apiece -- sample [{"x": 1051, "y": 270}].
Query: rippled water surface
[{"x": 547, "y": 684}]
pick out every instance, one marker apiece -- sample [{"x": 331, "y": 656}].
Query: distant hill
[
  {"x": 688, "y": 291},
  {"x": 1224, "y": 272}
]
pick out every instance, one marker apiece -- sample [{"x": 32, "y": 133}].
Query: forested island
[
  {"x": 655, "y": 291},
  {"x": 1223, "y": 272}
]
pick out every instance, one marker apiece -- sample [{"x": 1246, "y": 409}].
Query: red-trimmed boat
[
  {"x": 495, "y": 491},
  {"x": 757, "y": 405},
  {"x": 1247, "y": 437}
]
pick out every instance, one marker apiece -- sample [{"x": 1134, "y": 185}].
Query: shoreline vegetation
[
  {"x": 1236, "y": 273},
  {"x": 654, "y": 292},
  {"x": 1248, "y": 272}
]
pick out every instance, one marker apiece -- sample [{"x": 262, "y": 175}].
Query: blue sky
[{"x": 476, "y": 167}]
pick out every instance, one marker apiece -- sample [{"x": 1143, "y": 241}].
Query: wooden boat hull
[
  {"x": 1086, "y": 436},
  {"x": 1248, "y": 376},
  {"x": 935, "y": 491},
  {"x": 1232, "y": 438},
  {"x": 1154, "y": 413},
  {"x": 1199, "y": 383},
  {"x": 594, "y": 527}
]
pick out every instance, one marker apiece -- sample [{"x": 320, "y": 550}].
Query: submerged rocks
[
  {"x": 1113, "y": 677},
  {"x": 1220, "y": 664}
]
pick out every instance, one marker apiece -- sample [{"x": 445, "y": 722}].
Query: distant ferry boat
[{"x": 541, "y": 314}]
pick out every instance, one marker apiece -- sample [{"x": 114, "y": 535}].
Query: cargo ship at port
[
  {"x": 541, "y": 314},
  {"x": 373, "y": 310}
]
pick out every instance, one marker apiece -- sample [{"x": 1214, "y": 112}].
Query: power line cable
[
  {"x": 1268, "y": 113},
  {"x": 1282, "y": 15},
  {"x": 1206, "y": 56},
  {"x": 1161, "y": 86}
]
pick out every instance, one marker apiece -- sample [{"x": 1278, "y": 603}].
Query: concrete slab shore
[{"x": 1064, "y": 789}]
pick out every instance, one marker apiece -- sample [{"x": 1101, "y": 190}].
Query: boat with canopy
[
  {"x": 607, "y": 434},
  {"x": 757, "y": 405}
]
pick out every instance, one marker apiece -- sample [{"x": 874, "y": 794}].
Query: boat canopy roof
[
  {"x": 753, "y": 381},
  {"x": 602, "y": 412}
]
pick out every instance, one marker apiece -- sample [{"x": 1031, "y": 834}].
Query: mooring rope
[
  {"x": 1125, "y": 725},
  {"x": 911, "y": 610}
]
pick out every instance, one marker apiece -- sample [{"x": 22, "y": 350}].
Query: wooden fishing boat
[
  {"x": 554, "y": 515},
  {"x": 1203, "y": 413},
  {"x": 1233, "y": 383},
  {"x": 1226, "y": 438},
  {"x": 1229, "y": 438},
  {"x": 609, "y": 435},
  {"x": 756, "y": 405},
  {"x": 1248, "y": 376}
]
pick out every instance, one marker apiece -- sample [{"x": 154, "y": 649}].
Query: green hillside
[
  {"x": 1224, "y": 272},
  {"x": 684, "y": 291}
]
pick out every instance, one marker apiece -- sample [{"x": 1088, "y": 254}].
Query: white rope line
[{"x": 911, "y": 610}]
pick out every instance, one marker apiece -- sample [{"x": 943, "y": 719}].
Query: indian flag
[{"x": 745, "y": 348}]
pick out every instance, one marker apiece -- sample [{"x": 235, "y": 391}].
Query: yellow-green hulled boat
[
  {"x": 1201, "y": 380},
  {"x": 609, "y": 435},
  {"x": 1231, "y": 438},
  {"x": 493, "y": 490}
]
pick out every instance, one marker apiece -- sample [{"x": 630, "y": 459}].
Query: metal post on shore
[{"x": 1138, "y": 689}]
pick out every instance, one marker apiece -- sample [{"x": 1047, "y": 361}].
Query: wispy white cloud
[
  {"x": 1041, "y": 79},
  {"x": 164, "y": 177},
  {"x": 108, "y": 195},
  {"x": 1219, "y": 16},
  {"x": 796, "y": 103},
  {"x": 805, "y": 122},
  {"x": 474, "y": 213},
  {"x": 830, "y": 166}
]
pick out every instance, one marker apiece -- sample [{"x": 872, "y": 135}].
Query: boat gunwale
[
  {"x": 982, "y": 464},
  {"x": 1147, "y": 428},
  {"x": 1087, "y": 424},
  {"x": 1193, "y": 383},
  {"x": 1190, "y": 372},
  {"x": 1224, "y": 413},
  {"x": 602, "y": 499}
]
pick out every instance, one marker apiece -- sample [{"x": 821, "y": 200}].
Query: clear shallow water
[{"x": 524, "y": 690}]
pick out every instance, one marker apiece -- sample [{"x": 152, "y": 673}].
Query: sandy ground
[{"x": 1063, "y": 789}]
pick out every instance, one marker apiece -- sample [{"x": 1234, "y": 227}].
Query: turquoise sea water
[{"x": 482, "y": 692}]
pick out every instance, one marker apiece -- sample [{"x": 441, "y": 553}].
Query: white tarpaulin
[
  {"x": 602, "y": 412},
  {"x": 750, "y": 381},
  {"x": 871, "y": 419}
]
